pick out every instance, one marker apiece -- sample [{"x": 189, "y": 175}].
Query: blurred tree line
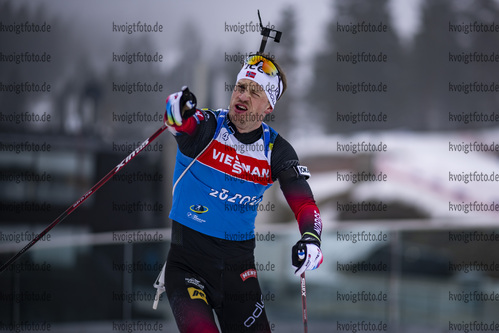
[
  {"x": 417, "y": 74},
  {"x": 82, "y": 100}
]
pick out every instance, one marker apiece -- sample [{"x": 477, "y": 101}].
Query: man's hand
[
  {"x": 181, "y": 115},
  {"x": 306, "y": 254},
  {"x": 179, "y": 106}
]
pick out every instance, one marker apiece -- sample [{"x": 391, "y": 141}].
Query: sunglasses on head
[{"x": 268, "y": 67}]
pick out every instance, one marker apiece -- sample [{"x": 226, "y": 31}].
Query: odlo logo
[
  {"x": 256, "y": 314},
  {"x": 195, "y": 293}
]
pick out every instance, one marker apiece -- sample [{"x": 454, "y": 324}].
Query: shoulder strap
[
  {"x": 266, "y": 138},
  {"x": 269, "y": 136},
  {"x": 221, "y": 117}
]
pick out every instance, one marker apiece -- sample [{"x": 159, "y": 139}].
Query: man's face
[{"x": 248, "y": 106}]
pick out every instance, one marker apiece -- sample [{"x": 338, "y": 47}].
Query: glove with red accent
[
  {"x": 181, "y": 115},
  {"x": 306, "y": 254}
]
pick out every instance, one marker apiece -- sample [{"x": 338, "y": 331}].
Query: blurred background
[{"x": 411, "y": 247}]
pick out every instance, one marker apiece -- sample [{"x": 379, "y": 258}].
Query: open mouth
[{"x": 241, "y": 108}]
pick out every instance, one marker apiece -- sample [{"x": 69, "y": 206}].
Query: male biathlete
[{"x": 225, "y": 161}]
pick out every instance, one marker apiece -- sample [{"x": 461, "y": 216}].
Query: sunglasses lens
[{"x": 268, "y": 66}]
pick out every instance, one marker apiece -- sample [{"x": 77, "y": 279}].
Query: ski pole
[
  {"x": 304, "y": 301},
  {"x": 84, "y": 197},
  {"x": 302, "y": 251}
]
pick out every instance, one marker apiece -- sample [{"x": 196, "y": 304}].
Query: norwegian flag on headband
[{"x": 250, "y": 74}]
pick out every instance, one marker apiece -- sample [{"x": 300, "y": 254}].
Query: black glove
[
  {"x": 179, "y": 106},
  {"x": 188, "y": 103}
]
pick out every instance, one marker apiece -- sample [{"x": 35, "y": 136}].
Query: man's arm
[
  {"x": 300, "y": 199},
  {"x": 293, "y": 182}
]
